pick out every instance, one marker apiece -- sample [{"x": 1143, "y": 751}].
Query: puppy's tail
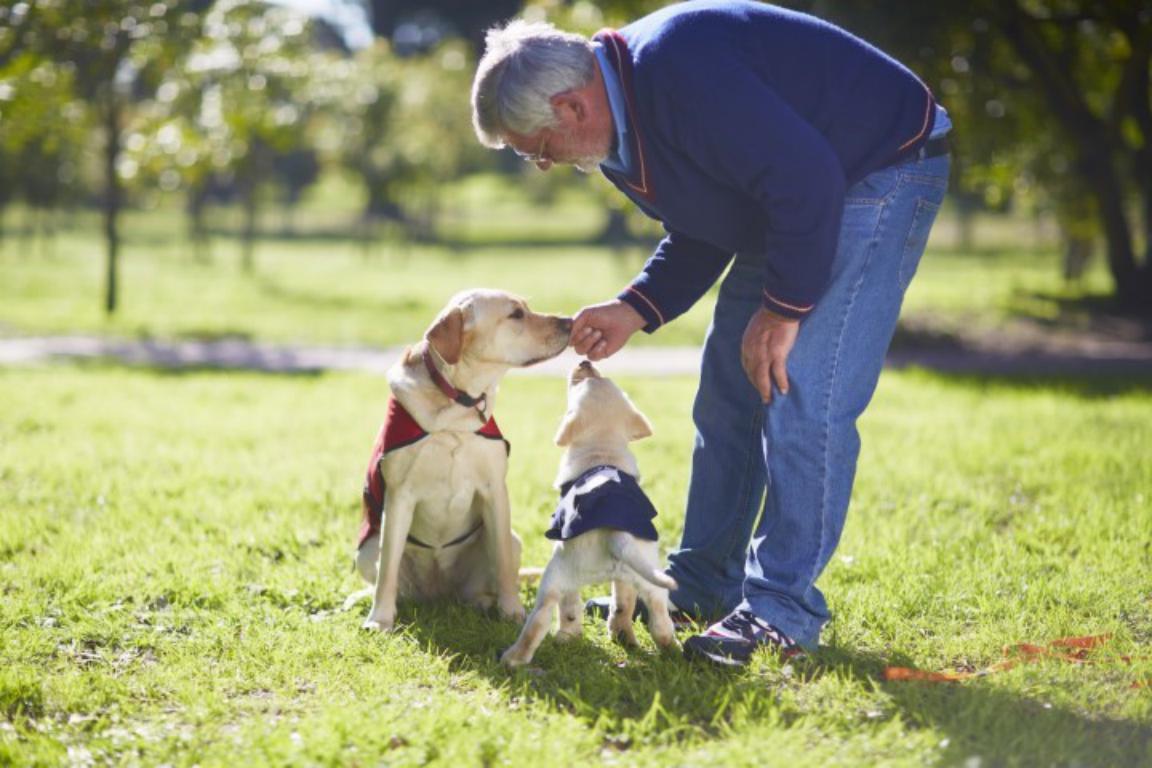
[
  {"x": 623, "y": 548},
  {"x": 530, "y": 575},
  {"x": 355, "y": 597}
]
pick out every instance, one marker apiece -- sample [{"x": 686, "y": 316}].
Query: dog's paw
[{"x": 377, "y": 625}]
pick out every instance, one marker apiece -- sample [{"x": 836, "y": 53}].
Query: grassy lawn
[{"x": 174, "y": 548}]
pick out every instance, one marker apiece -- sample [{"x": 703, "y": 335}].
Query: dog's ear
[
  {"x": 638, "y": 426},
  {"x": 447, "y": 335},
  {"x": 567, "y": 430}
]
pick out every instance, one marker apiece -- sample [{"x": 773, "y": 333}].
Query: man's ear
[
  {"x": 638, "y": 426},
  {"x": 447, "y": 335},
  {"x": 569, "y": 107},
  {"x": 567, "y": 430}
]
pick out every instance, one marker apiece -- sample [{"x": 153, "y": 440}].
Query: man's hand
[
  {"x": 764, "y": 351},
  {"x": 599, "y": 331}
]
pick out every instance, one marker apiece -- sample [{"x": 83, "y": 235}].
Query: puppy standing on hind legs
[{"x": 603, "y": 525}]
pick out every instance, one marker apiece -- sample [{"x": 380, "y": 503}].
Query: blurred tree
[
  {"x": 417, "y": 25},
  {"x": 1051, "y": 99},
  {"x": 39, "y": 151},
  {"x": 1092, "y": 60},
  {"x": 406, "y": 131},
  {"x": 100, "y": 43},
  {"x": 253, "y": 73}
]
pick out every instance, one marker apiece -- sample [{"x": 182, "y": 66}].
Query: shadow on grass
[
  {"x": 643, "y": 695},
  {"x": 1086, "y": 387},
  {"x": 997, "y": 726},
  {"x": 1099, "y": 312}
]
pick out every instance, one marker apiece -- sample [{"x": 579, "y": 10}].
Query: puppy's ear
[
  {"x": 447, "y": 335},
  {"x": 638, "y": 426},
  {"x": 567, "y": 430}
]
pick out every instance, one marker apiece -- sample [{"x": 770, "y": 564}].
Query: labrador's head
[
  {"x": 487, "y": 326},
  {"x": 599, "y": 411}
]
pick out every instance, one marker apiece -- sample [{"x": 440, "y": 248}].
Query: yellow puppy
[{"x": 603, "y": 525}]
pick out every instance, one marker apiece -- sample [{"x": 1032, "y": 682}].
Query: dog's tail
[
  {"x": 623, "y": 547},
  {"x": 529, "y": 575}
]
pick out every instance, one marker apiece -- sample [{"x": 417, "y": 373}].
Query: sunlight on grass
[{"x": 174, "y": 549}]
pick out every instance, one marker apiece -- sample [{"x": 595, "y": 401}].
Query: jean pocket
[
  {"x": 914, "y": 246},
  {"x": 876, "y": 187}
]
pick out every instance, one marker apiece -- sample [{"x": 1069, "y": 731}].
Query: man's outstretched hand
[
  {"x": 764, "y": 351},
  {"x": 599, "y": 331}
]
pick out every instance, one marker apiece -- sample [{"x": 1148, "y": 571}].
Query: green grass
[{"x": 174, "y": 548}]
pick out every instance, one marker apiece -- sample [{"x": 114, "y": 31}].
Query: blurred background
[{"x": 306, "y": 169}]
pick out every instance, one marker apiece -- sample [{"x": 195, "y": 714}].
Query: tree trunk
[
  {"x": 197, "y": 228},
  {"x": 248, "y": 238},
  {"x": 112, "y": 195}
]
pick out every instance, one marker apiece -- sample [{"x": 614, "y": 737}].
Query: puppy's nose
[{"x": 586, "y": 364}]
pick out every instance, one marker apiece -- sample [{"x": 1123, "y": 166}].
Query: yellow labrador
[
  {"x": 603, "y": 525},
  {"x": 436, "y": 513}
]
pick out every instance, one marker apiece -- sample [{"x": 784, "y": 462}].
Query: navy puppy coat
[{"x": 603, "y": 497}]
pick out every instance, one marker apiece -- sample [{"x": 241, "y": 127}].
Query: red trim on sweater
[{"x": 619, "y": 48}]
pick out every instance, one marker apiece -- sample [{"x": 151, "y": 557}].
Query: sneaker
[
  {"x": 732, "y": 641},
  {"x": 600, "y": 607}
]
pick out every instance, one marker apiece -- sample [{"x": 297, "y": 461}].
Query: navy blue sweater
[{"x": 748, "y": 123}]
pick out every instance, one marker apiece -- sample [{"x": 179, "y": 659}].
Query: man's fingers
[
  {"x": 762, "y": 379},
  {"x": 780, "y": 374},
  {"x": 586, "y": 340}
]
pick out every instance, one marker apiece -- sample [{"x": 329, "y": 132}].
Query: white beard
[{"x": 590, "y": 163}]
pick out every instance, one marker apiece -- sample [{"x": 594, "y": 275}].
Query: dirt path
[{"x": 994, "y": 355}]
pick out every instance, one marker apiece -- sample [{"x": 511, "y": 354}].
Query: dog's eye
[{"x": 517, "y": 314}]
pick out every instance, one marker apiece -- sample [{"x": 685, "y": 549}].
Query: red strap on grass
[{"x": 1072, "y": 650}]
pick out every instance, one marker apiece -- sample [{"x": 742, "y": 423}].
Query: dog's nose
[{"x": 586, "y": 364}]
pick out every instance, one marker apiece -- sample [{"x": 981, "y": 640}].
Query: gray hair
[{"x": 524, "y": 65}]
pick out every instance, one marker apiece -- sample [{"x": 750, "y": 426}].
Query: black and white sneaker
[{"x": 732, "y": 641}]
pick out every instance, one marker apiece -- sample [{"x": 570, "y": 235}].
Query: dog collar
[{"x": 457, "y": 396}]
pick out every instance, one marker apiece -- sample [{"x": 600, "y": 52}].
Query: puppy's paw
[
  {"x": 625, "y": 636},
  {"x": 512, "y": 658},
  {"x": 567, "y": 635}
]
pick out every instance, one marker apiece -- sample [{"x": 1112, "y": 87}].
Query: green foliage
[{"x": 173, "y": 562}]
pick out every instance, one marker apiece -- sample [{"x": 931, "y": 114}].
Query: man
[{"x": 815, "y": 164}]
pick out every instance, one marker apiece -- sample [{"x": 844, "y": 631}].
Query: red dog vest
[{"x": 398, "y": 430}]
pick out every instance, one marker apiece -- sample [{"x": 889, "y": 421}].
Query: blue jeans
[{"x": 770, "y": 483}]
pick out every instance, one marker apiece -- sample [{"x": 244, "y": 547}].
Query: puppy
[
  {"x": 603, "y": 525},
  {"x": 436, "y": 521}
]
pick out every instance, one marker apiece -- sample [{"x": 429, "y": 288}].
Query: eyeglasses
[{"x": 538, "y": 155}]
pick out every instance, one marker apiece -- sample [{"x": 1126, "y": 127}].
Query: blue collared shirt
[{"x": 621, "y": 158}]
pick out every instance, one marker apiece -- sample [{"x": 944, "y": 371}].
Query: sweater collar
[{"x": 620, "y": 59}]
